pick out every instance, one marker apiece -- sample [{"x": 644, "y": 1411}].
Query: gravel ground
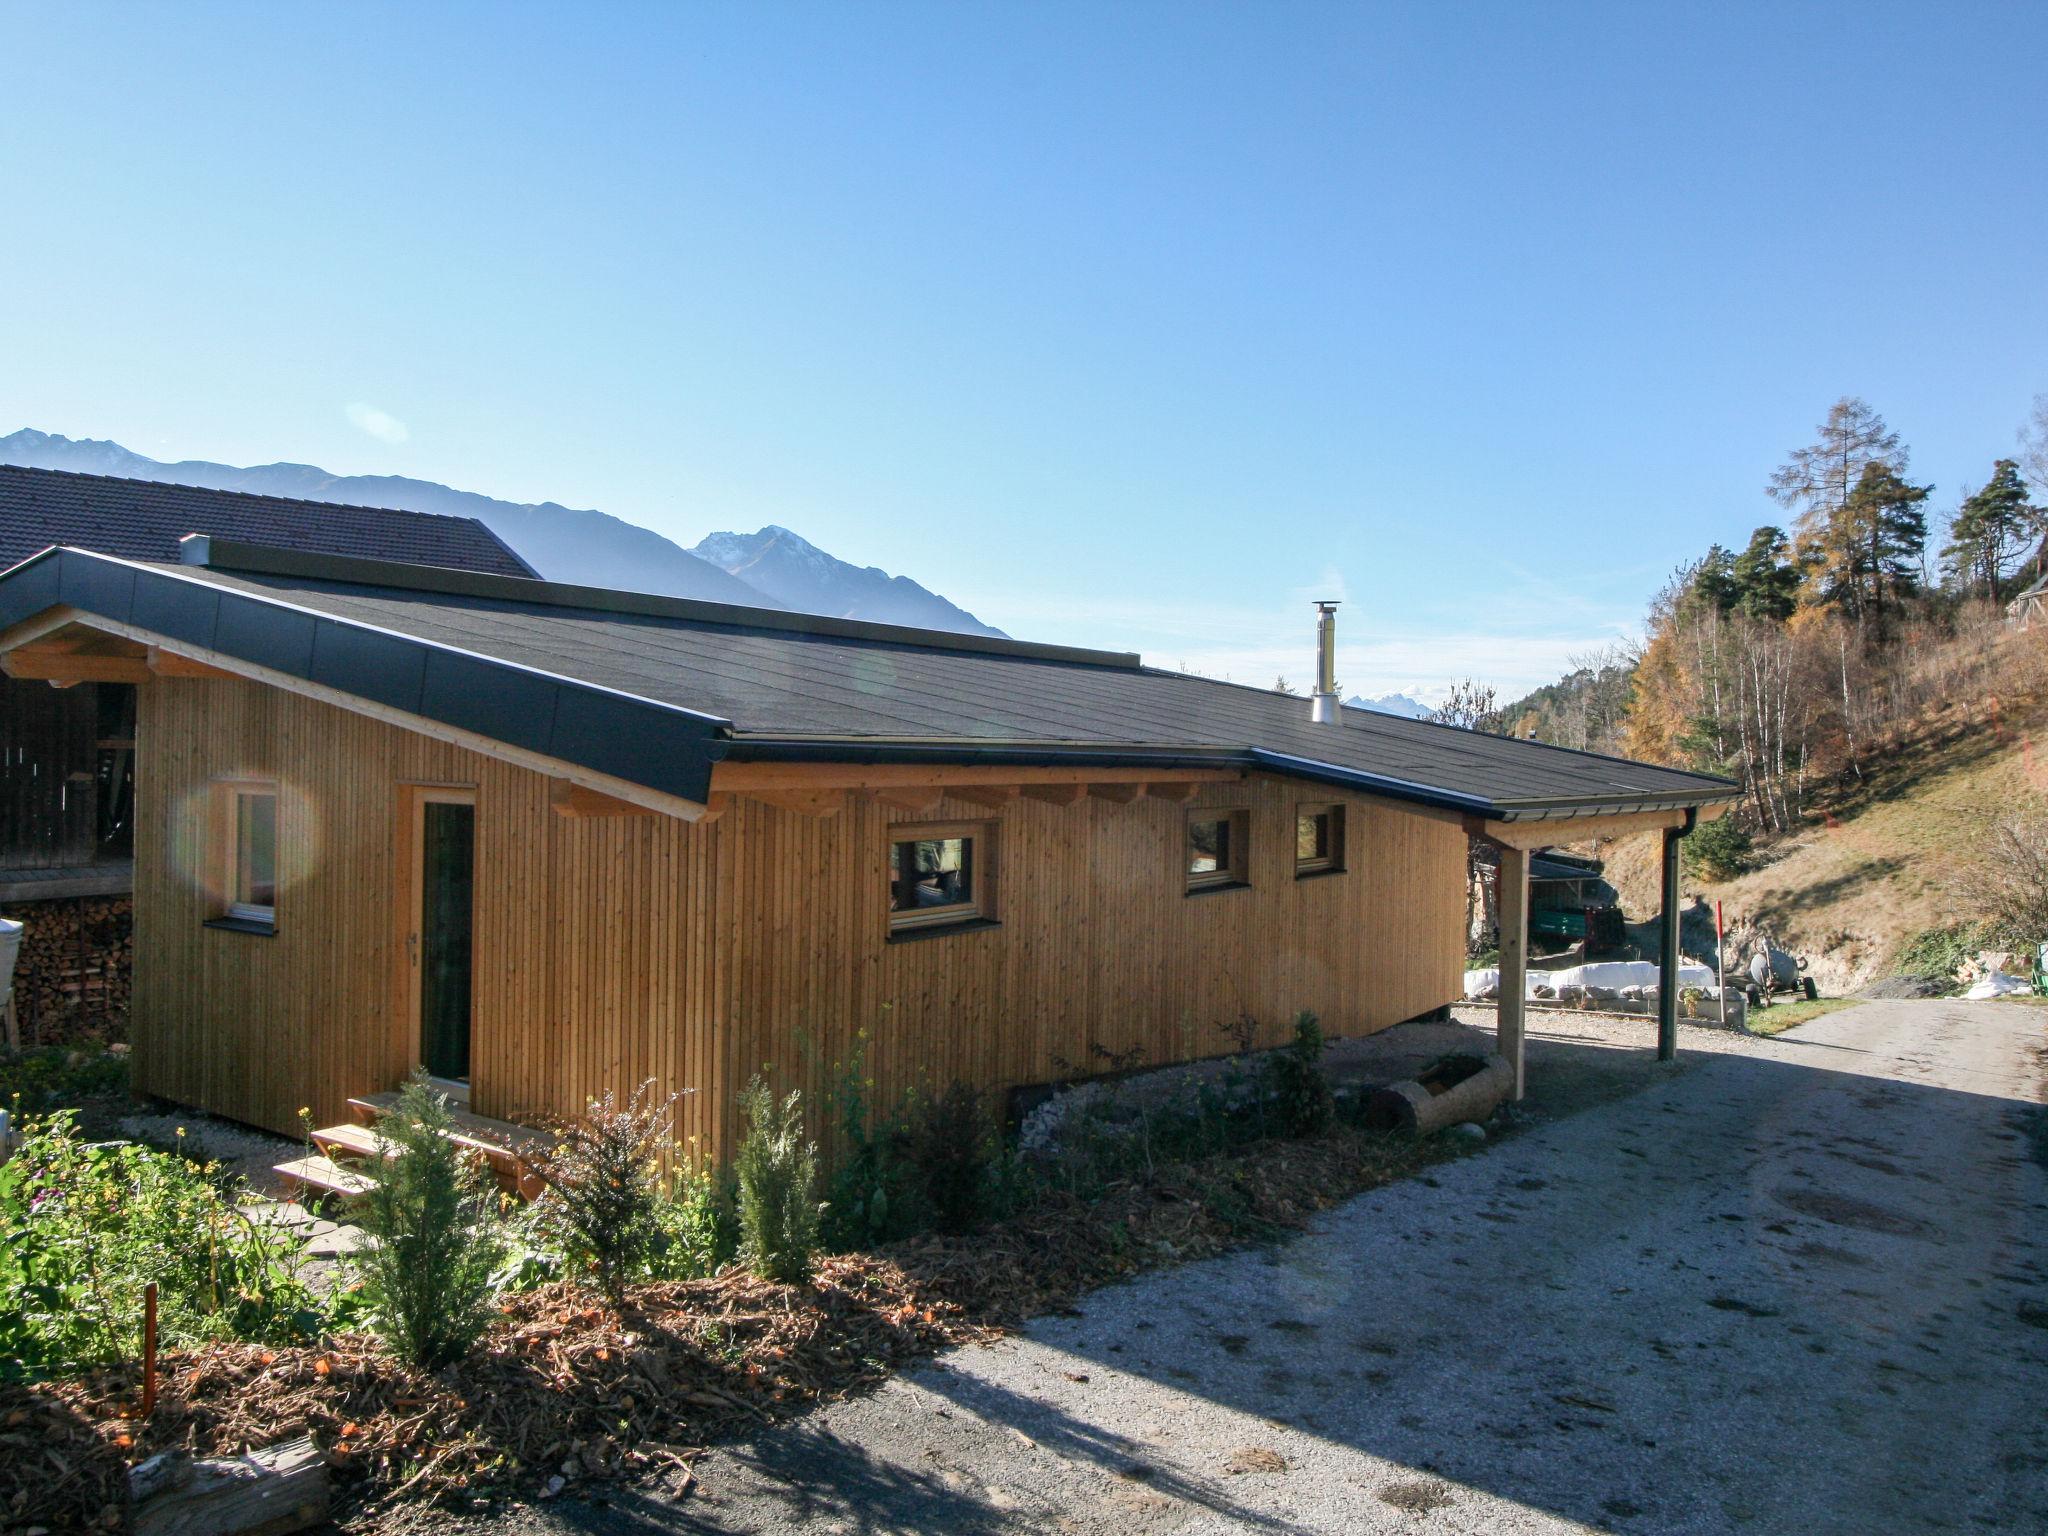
[{"x": 1794, "y": 1284}]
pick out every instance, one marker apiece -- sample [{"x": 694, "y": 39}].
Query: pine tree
[
  {"x": 1993, "y": 531},
  {"x": 1764, "y": 579},
  {"x": 1871, "y": 552},
  {"x": 1818, "y": 480}
]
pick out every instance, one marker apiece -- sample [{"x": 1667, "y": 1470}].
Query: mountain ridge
[
  {"x": 580, "y": 546},
  {"x": 794, "y": 571}
]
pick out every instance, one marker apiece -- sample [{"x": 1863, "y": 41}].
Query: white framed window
[{"x": 248, "y": 852}]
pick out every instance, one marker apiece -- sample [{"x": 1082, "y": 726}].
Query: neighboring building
[
  {"x": 549, "y": 841},
  {"x": 67, "y": 794},
  {"x": 2029, "y": 607}
]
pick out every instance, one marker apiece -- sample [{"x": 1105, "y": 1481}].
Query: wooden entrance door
[{"x": 438, "y": 947}]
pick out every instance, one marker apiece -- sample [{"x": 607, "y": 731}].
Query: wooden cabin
[{"x": 546, "y": 841}]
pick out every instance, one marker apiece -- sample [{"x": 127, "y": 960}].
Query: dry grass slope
[{"x": 1892, "y": 856}]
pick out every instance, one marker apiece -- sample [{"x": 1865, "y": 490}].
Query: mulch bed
[{"x": 562, "y": 1391}]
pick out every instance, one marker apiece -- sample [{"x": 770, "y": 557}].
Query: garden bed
[{"x": 561, "y": 1390}]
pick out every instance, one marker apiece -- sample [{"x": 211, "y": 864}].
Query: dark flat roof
[
  {"x": 655, "y": 690},
  {"x": 145, "y": 519}
]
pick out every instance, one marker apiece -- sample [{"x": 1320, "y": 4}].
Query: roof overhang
[
  {"x": 657, "y": 755},
  {"x": 635, "y": 749}
]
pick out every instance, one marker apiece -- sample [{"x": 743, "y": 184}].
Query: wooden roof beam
[
  {"x": 1577, "y": 829},
  {"x": 804, "y": 802},
  {"x": 1119, "y": 794},
  {"x": 170, "y": 664},
  {"x": 1053, "y": 794},
  {"x": 578, "y": 803},
  {"x": 918, "y": 800},
  {"x": 993, "y": 796},
  {"x": 1179, "y": 791},
  {"x": 746, "y": 778},
  {"x": 64, "y": 666}
]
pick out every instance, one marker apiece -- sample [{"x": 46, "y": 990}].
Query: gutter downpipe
[{"x": 1667, "y": 960}]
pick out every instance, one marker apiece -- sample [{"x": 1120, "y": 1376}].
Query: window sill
[
  {"x": 940, "y": 930},
  {"x": 1317, "y": 874},
  {"x": 1215, "y": 886},
  {"x": 242, "y": 925}
]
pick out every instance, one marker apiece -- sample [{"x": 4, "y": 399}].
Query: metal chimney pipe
[{"x": 1322, "y": 704}]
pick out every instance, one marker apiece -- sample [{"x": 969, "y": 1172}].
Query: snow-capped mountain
[
  {"x": 799, "y": 575},
  {"x": 1393, "y": 704},
  {"x": 770, "y": 569}
]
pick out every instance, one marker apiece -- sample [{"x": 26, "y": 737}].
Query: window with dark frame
[
  {"x": 939, "y": 876},
  {"x": 1217, "y": 848},
  {"x": 1318, "y": 839},
  {"x": 251, "y": 862}
]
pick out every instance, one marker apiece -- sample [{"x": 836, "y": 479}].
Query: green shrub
[
  {"x": 951, "y": 1145},
  {"x": 603, "y": 1178},
  {"x": 1940, "y": 952},
  {"x": 1300, "y": 1092},
  {"x": 872, "y": 1196},
  {"x": 700, "y": 1225},
  {"x": 84, "y": 1226},
  {"x": 777, "y": 1171},
  {"x": 57, "y": 1076},
  {"x": 1720, "y": 850},
  {"x": 427, "y": 1278}
]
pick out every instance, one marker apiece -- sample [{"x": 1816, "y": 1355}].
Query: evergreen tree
[
  {"x": 1713, "y": 581},
  {"x": 1871, "y": 553},
  {"x": 1993, "y": 531},
  {"x": 1818, "y": 480},
  {"x": 1764, "y": 578}
]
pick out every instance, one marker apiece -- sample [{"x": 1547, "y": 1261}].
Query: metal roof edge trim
[
  {"x": 267, "y": 560},
  {"x": 577, "y": 723}
]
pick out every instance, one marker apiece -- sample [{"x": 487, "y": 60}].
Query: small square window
[
  {"x": 249, "y": 865},
  {"x": 1318, "y": 839},
  {"x": 1217, "y": 850},
  {"x": 939, "y": 875}
]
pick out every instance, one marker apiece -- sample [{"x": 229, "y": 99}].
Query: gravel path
[{"x": 1798, "y": 1286}]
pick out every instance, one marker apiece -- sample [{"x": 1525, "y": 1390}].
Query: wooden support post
[
  {"x": 1514, "y": 959},
  {"x": 1667, "y": 958}
]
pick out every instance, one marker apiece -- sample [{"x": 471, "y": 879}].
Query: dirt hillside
[{"x": 1888, "y": 858}]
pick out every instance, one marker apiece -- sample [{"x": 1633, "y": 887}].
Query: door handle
[{"x": 412, "y": 949}]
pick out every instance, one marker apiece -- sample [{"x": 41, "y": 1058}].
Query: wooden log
[
  {"x": 278, "y": 1489},
  {"x": 1411, "y": 1107}
]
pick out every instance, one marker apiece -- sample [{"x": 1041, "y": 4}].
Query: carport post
[
  {"x": 1513, "y": 904},
  {"x": 1667, "y": 959}
]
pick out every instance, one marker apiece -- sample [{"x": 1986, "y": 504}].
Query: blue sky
[{"x": 1127, "y": 325}]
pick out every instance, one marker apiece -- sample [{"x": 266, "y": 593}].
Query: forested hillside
[{"x": 1853, "y": 670}]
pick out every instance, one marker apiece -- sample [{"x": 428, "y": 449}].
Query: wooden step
[
  {"x": 354, "y": 1141},
  {"x": 324, "y": 1174}
]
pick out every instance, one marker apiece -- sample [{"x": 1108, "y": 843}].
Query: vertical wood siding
[{"x": 611, "y": 950}]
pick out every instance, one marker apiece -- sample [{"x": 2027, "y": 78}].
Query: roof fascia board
[
  {"x": 565, "y": 727},
  {"x": 758, "y": 748},
  {"x": 263, "y": 560}
]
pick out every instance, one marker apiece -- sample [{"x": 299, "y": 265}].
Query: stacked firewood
[{"x": 73, "y": 978}]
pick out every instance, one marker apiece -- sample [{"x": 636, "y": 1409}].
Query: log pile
[{"x": 73, "y": 979}]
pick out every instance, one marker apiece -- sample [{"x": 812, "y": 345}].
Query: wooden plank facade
[{"x": 612, "y": 949}]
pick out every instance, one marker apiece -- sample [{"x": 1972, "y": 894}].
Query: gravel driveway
[{"x": 1797, "y": 1286}]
